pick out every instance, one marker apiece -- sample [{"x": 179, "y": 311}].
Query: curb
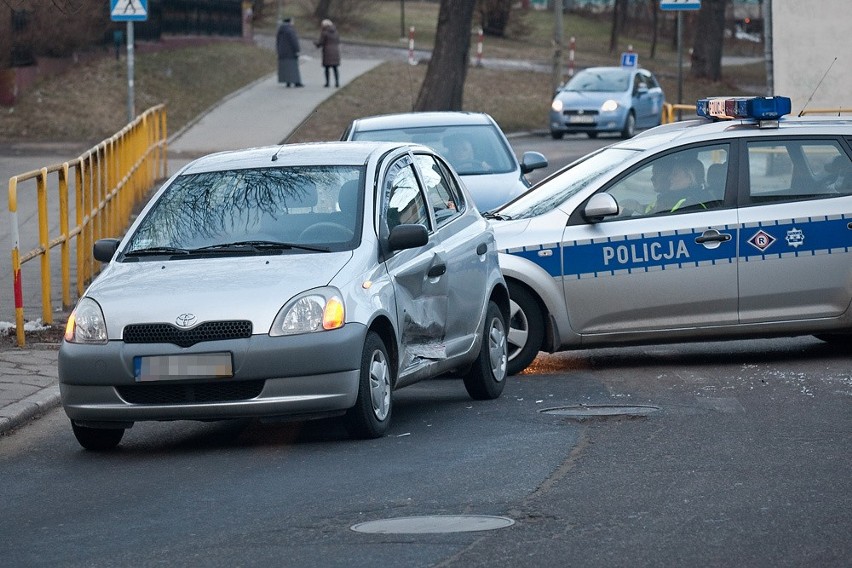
[{"x": 30, "y": 408}]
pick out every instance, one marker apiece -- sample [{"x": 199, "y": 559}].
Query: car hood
[
  {"x": 228, "y": 288},
  {"x": 489, "y": 191},
  {"x": 588, "y": 99}
]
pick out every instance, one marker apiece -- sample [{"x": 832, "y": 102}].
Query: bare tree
[
  {"x": 708, "y": 41},
  {"x": 494, "y": 16},
  {"x": 443, "y": 86}
]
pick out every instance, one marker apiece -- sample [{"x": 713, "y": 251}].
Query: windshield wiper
[
  {"x": 256, "y": 246},
  {"x": 156, "y": 251},
  {"x": 496, "y": 216}
]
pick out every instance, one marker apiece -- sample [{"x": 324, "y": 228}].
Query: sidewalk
[{"x": 263, "y": 113}]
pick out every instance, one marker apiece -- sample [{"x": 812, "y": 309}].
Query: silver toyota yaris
[{"x": 290, "y": 281}]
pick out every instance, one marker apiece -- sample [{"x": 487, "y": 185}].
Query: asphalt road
[{"x": 744, "y": 461}]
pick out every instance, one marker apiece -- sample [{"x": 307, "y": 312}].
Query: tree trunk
[
  {"x": 708, "y": 41},
  {"x": 495, "y": 16},
  {"x": 322, "y": 10},
  {"x": 443, "y": 86}
]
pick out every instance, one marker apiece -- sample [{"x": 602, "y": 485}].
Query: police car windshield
[{"x": 553, "y": 191}]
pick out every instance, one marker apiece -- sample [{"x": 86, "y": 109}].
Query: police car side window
[
  {"x": 798, "y": 169},
  {"x": 683, "y": 182}
]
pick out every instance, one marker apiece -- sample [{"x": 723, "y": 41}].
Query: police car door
[
  {"x": 796, "y": 238},
  {"x": 643, "y": 272}
]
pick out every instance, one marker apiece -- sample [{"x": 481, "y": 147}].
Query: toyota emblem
[{"x": 185, "y": 320}]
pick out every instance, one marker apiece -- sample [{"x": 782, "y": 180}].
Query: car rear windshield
[
  {"x": 307, "y": 206},
  {"x": 554, "y": 190},
  {"x": 490, "y": 153}
]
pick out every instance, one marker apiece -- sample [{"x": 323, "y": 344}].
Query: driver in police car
[{"x": 677, "y": 184}]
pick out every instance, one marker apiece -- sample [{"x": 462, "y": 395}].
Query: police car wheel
[{"x": 526, "y": 329}]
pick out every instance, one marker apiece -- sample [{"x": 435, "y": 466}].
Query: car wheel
[
  {"x": 557, "y": 134},
  {"x": 371, "y": 415},
  {"x": 526, "y": 329},
  {"x": 97, "y": 439},
  {"x": 592, "y": 135},
  {"x": 629, "y": 129},
  {"x": 487, "y": 376}
]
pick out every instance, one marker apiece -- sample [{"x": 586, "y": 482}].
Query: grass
[{"x": 89, "y": 103}]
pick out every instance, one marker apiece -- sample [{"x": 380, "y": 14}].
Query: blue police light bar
[{"x": 756, "y": 108}]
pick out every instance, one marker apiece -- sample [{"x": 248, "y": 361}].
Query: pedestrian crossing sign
[{"x": 128, "y": 10}]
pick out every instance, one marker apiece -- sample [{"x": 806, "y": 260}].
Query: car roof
[
  {"x": 421, "y": 119},
  {"x": 700, "y": 130},
  {"x": 314, "y": 153}
]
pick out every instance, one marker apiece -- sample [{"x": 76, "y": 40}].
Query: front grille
[
  {"x": 168, "y": 333},
  {"x": 570, "y": 113},
  {"x": 225, "y": 391}
]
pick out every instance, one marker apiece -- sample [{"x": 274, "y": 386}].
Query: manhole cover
[
  {"x": 430, "y": 524},
  {"x": 596, "y": 410}
]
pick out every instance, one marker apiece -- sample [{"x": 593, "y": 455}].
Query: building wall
[{"x": 803, "y": 48}]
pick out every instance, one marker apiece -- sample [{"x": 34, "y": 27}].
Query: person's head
[
  {"x": 326, "y": 24},
  {"x": 461, "y": 150},
  {"x": 672, "y": 175}
]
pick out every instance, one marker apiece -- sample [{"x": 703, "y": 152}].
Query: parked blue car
[{"x": 607, "y": 99}]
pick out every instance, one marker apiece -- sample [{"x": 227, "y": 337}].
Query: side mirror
[
  {"x": 104, "y": 249},
  {"x": 599, "y": 206},
  {"x": 407, "y": 237},
  {"x": 532, "y": 161}
]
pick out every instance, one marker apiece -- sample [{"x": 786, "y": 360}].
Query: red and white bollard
[
  {"x": 411, "y": 60},
  {"x": 571, "y": 47},
  {"x": 479, "y": 48}
]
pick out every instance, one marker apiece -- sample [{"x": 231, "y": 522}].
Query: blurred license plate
[
  {"x": 581, "y": 119},
  {"x": 173, "y": 367}
]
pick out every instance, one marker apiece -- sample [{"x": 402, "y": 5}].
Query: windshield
[
  {"x": 600, "y": 80},
  {"x": 553, "y": 191},
  {"x": 258, "y": 211},
  {"x": 470, "y": 149}
]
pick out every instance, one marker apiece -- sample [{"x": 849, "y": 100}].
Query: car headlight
[
  {"x": 86, "y": 323},
  {"x": 557, "y": 105},
  {"x": 317, "y": 310},
  {"x": 609, "y": 106}
]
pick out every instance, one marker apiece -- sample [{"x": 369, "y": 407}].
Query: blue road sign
[
  {"x": 128, "y": 10},
  {"x": 674, "y": 5},
  {"x": 629, "y": 59}
]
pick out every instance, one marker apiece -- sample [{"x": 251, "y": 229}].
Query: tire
[
  {"x": 592, "y": 135},
  {"x": 487, "y": 376},
  {"x": 371, "y": 415},
  {"x": 629, "y": 130},
  {"x": 557, "y": 134},
  {"x": 97, "y": 439},
  {"x": 526, "y": 329}
]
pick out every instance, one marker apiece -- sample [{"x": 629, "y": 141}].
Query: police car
[{"x": 736, "y": 224}]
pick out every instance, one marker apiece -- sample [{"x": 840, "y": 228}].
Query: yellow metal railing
[
  {"x": 109, "y": 181},
  {"x": 670, "y": 109}
]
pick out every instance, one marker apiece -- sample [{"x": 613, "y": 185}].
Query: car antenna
[
  {"x": 284, "y": 142},
  {"x": 802, "y": 112}
]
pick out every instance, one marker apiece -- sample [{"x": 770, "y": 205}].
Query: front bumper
[{"x": 272, "y": 377}]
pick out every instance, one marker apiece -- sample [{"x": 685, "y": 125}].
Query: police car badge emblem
[
  {"x": 795, "y": 237},
  {"x": 761, "y": 240}
]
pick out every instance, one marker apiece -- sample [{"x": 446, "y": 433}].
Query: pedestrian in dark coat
[
  {"x": 329, "y": 41},
  {"x": 287, "y": 46}
]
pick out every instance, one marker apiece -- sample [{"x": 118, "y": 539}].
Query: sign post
[
  {"x": 129, "y": 11},
  {"x": 679, "y": 6}
]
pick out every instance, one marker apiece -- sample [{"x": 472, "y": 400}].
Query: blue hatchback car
[{"x": 607, "y": 99}]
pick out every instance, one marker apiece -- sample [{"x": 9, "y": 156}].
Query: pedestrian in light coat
[
  {"x": 329, "y": 41},
  {"x": 287, "y": 46}
]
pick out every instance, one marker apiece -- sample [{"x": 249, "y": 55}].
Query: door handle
[
  {"x": 437, "y": 270},
  {"x": 481, "y": 249},
  {"x": 713, "y": 236}
]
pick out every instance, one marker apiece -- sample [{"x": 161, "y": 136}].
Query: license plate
[
  {"x": 175, "y": 367},
  {"x": 581, "y": 119}
]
